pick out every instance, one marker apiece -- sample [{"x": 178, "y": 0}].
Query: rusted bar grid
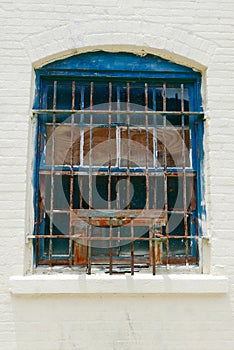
[{"x": 90, "y": 171}]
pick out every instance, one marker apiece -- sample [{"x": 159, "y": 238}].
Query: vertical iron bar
[
  {"x": 118, "y": 161},
  {"x": 90, "y": 146},
  {"x": 152, "y": 235},
  {"x": 118, "y": 138},
  {"x": 165, "y": 171},
  {"x": 147, "y": 147},
  {"x": 132, "y": 247},
  {"x": 109, "y": 147},
  {"x": 128, "y": 176},
  {"x": 155, "y": 154},
  {"x": 52, "y": 173},
  {"x": 184, "y": 173},
  {"x": 110, "y": 252},
  {"x": 129, "y": 146},
  {"x": 164, "y": 97},
  {"x": 90, "y": 176},
  {"x": 89, "y": 242},
  {"x": 109, "y": 177},
  {"x": 71, "y": 173},
  {"x": 82, "y": 92}
]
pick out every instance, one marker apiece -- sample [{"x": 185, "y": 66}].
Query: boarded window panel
[
  {"x": 62, "y": 144},
  {"x": 103, "y": 148},
  {"x": 140, "y": 143},
  {"x": 61, "y": 138},
  {"x": 173, "y": 141}
]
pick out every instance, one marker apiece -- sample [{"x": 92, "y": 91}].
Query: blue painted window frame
[{"x": 102, "y": 66}]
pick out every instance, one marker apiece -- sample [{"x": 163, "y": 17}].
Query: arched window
[{"x": 118, "y": 173}]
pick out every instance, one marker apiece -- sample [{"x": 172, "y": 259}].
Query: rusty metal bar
[
  {"x": 104, "y": 172},
  {"x": 103, "y": 111},
  {"x": 152, "y": 236},
  {"x": 90, "y": 229},
  {"x": 52, "y": 174},
  {"x": 146, "y": 148},
  {"x": 132, "y": 247},
  {"x": 110, "y": 251},
  {"x": 155, "y": 152},
  {"x": 118, "y": 261},
  {"x": 165, "y": 170},
  {"x": 118, "y": 162},
  {"x": 164, "y": 97},
  {"x": 182, "y": 97},
  {"x": 118, "y": 135},
  {"x": 90, "y": 147},
  {"x": 80, "y": 178},
  {"x": 129, "y": 146},
  {"x": 109, "y": 147},
  {"x": 184, "y": 175},
  {"x": 161, "y": 238},
  {"x": 72, "y": 174},
  {"x": 97, "y": 213},
  {"x": 119, "y": 213},
  {"x": 174, "y": 127}
]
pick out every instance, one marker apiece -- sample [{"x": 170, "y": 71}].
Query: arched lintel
[{"x": 137, "y": 50}]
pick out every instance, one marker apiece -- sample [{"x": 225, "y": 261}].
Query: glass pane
[
  {"x": 156, "y": 192},
  {"x": 64, "y": 95},
  {"x": 175, "y": 193},
  {"x": 174, "y": 98},
  {"x": 141, "y": 248},
  {"x": 81, "y": 192}
]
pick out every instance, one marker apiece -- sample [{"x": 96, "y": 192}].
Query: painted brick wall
[{"x": 198, "y": 33}]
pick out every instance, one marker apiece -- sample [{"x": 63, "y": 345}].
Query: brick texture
[{"x": 198, "y": 33}]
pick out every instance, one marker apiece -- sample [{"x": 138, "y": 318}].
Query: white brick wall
[{"x": 199, "y": 33}]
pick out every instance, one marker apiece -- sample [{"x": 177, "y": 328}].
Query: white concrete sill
[{"x": 118, "y": 284}]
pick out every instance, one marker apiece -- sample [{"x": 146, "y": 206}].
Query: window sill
[{"x": 124, "y": 284}]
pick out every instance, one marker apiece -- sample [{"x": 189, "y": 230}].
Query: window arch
[{"x": 118, "y": 181}]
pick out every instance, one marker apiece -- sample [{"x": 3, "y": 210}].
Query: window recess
[{"x": 118, "y": 171}]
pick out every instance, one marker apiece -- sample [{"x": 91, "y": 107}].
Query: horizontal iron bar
[
  {"x": 114, "y": 172},
  {"x": 93, "y": 238},
  {"x": 171, "y": 211},
  {"x": 108, "y": 213},
  {"x": 122, "y": 126},
  {"x": 79, "y": 111}
]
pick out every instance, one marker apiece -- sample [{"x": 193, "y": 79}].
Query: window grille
[{"x": 117, "y": 173}]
